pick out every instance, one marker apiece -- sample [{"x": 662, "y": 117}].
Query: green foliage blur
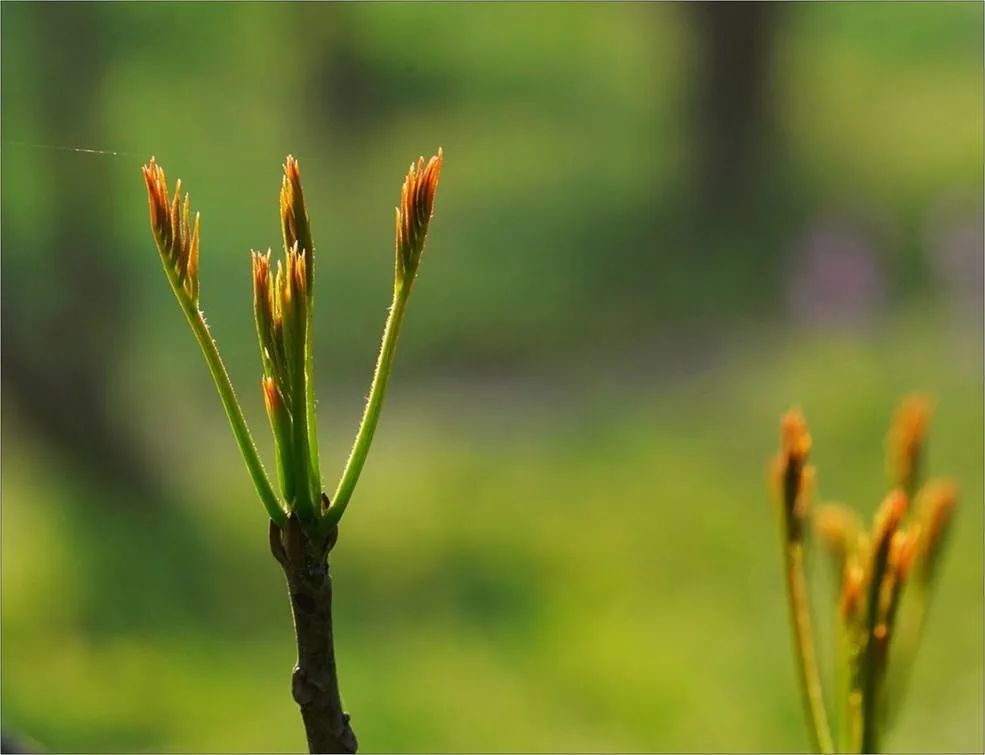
[{"x": 658, "y": 227}]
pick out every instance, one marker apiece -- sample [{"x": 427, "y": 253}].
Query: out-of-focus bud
[
  {"x": 414, "y": 215},
  {"x": 791, "y": 474},
  {"x": 838, "y": 528},
  {"x": 177, "y": 239},
  {"x": 294, "y": 217},
  {"x": 934, "y": 513},
  {"x": 898, "y": 560},
  {"x": 906, "y": 440},
  {"x": 902, "y": 550},
  {"x": 852, "y": 590},
  {"x": 887, "y": 519}
]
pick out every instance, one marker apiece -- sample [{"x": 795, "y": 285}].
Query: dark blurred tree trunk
[
  {"x": 733, "y": 112},
  {"x": 343, "y": 88},
  {"x": 64, "y": 304},
  {"x": 353, "y": 92}
]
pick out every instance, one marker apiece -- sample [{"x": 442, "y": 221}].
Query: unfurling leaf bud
[
  {"x": 906, "y": 440},
  {"x": 791, "y": 474},
  {"x": 898, "y": 561},
  {"x": 935, "y": 510},
  {"x": 264, "y": 309},
  {"x": 292, "y": 291},
  {"x": 414, "y": 215},
  {"x": 852, "y": 587},
  {"x": 902, "y": 549},
  {"x": 885, "y": 526},
  {"x": 887, "y": 520},
  {"x": 176, "y": 237},
  {"x": 294, "y": 216}
]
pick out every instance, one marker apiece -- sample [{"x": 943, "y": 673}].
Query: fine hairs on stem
[{"x": 303, "y": 526}]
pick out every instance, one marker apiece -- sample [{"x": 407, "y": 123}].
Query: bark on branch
[{"x": 314, "y": 684}]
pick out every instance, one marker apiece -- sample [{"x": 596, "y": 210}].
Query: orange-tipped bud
[
  {"x": 414, "y": 214},
  {"x": 271, "y": 398},
  {"x": 898, "y": 561},
  {"x": 902, "y": 550},
  {"x": 795, "y": 439},
  {"x": 262, "y": 293},
  {"x": 294, "y": 284},
  {"x": 264, "y": 310},
  {"x": 294, "y": 221},
  {"x": 300, "y": 272},
  {"x": 280, "y": 424},
  {"x": 884, "y": 529},
  {"x": 791, "y": 475},
  {"x": 888, "y": 518},
  {"x": 176, "y": 237},
  {"x": 852, "y": 590},
  {"x": 906, "y": 440},
  {"x": 935, "y": 511},
  {"x": 292, "y": 304},
  {"x": 159, "y": 202}
]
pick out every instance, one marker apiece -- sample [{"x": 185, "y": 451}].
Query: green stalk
[
  {"x": 800, "y": 618},
  {"x": 309, "y": 382},
  {"x": 371, "y": 415},
  {"x": 280, "y": 426},
  {"x": 851, "y": 688},
  {"x": 304, "y": 502},
  {"x": 228, "y": 397},
  {"x": 873, "y": 661}
]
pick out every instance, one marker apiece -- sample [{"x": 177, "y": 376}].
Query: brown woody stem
[{"x": 314, "y": 684}]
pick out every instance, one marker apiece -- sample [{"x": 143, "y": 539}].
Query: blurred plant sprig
[{"x": 873, "y": 567}]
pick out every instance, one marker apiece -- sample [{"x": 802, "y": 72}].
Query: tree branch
[{"x": 314, "y": 684}]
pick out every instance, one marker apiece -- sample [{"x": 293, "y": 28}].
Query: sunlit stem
[
  {"x": 228, "y": 397},
  {"x": 309, "y": 385},
  {"x": 305, "y": 503},
  {"x": 312, "y": 419},
  {"x": 371, "y": 415},
  {"x": 800, "y": 618}
]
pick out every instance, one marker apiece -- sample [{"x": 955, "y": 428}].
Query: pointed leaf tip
[
  {"x": 417, "y": 196},
  {"x": 176, "y": 238}
]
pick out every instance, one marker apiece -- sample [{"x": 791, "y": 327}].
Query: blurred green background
[{"x": 658, "y": 227}]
